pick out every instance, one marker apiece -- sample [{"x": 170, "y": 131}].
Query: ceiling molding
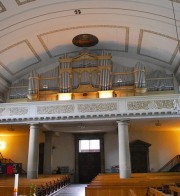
[
  {"x": 176, "y": 1},
  {"x": 5, "y": 68},
  {"x": 2, "y": 8},
  {"x": 140, "y": 41},
  {"x": 22, "y": 2},
  {"x": 177, "y": 67},
  {"x": 29, "y": 46},
  {"x": 40, "y": 37},
  {"x": 4, "y": 84}
]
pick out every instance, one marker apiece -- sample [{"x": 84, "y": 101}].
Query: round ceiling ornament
[{"x": 85, "y": 40}]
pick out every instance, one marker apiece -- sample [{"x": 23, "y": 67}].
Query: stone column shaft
[
  {"x": 124, "y": 151},
  {"x": 33, "y": 154}
]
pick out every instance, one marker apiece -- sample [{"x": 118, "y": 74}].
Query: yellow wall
[{"x": 165, "y": 145}]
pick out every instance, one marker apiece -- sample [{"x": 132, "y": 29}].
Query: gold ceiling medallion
[{"x": 85, "y": 40}]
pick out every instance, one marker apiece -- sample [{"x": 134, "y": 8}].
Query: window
[{"x": 89, "y": 145}]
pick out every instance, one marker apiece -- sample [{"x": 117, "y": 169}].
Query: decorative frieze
[
  {"x": 55, "y": 109},
  {"x": 14, "y": 111},
  {"x": 97, "y": 107},
  {"x": 117, "y": 109},
  {"x": 149, "y": 105}
]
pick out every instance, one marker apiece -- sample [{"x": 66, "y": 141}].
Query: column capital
[
  {"x": 122, "y": 122},
  {"x": 34, "y": 124}
]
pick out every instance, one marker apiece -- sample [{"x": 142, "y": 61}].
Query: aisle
[{"x": 72, "y": 190}]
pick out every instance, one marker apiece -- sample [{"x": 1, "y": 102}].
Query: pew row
[
  {"x": 174, "y": 190},
  {"x": 44, "y": 185},
  {"x": 112, "y": 185}
]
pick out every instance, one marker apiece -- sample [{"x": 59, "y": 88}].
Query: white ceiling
[{"x": 35, "y": 33}]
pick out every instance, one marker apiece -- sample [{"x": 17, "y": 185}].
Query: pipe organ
[{"x": 89, "y": 76}]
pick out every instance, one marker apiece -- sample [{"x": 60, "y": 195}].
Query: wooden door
[
  {"x": 41, "y": 158},
  {"x": 89, "y": 166},
  {"x": 139, "y": 156},
  {"x": 139, "y": 162}
]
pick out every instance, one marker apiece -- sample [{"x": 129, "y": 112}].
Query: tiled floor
[{"x": 72, "y": 190}]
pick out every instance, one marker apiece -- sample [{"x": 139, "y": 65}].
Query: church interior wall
[
  {"x": 164, "y": 147},
  {"x": 16, "y": 148},
  {"x": 111, "y": 150},
  {"x": 64, "y": 152}
]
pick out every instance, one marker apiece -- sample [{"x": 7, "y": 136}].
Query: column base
[
  {"x": 125, "y": 174},
  {"x": 32, "y": 174}
]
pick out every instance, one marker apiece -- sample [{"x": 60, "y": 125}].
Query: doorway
[
  {"x": 41, "y": 158},
  {"x": 89, "y": 166},
  {"x": 89, "y": 161}
]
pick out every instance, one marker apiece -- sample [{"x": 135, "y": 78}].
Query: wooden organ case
[
  {"x": 85, "y": 75},
  {"x": 90, "y": 76}
]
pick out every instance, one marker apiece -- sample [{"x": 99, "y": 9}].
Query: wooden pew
[
  {"x": 111, "y": 184},
  {"x": 45, "y": 184},
  {"x": 132, "y": 193},
  {"x": 175, "y": 190},
  {"x": 155, "y": 192}
]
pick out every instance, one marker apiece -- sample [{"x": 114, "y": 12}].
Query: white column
[
  {"x": 48, "y": 152},
  {"x": 33, "y": 154},
  {"x": 124, "y": 151}
]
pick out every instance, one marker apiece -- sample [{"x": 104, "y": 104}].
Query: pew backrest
[
  {"x": 175, "y": 190},
  {"x": 132, "y": 193},
  {"x": 155, "y": 192}
]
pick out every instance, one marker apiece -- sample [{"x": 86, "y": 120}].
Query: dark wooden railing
[{"x": 170, "y": 164}]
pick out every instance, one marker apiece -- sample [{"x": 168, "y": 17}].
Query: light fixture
[
  {"x": 64, "y": 96},
  {"x": 2, "y": 145},
  {"x": 85, "y": 40},
  {"x": 106, "y": 94},
  {"x": 157, "y": 123}
]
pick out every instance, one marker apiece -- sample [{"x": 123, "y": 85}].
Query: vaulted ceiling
[{"x": 35, "y": 33}]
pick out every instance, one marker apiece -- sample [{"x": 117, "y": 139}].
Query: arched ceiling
[{"x": 35, "y": 33}]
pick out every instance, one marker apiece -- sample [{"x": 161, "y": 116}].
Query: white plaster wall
[
  {"x": 64, "y": 152},
  {"x": 111, "y": 150}
]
